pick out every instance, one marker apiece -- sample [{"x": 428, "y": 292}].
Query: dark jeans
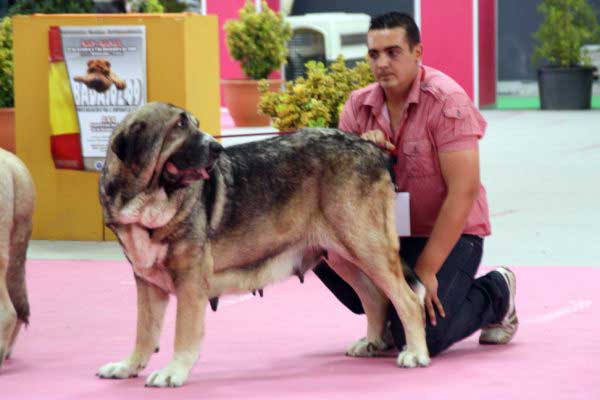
[{"x": 469, "y": 303}]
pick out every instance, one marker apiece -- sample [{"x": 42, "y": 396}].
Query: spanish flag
[{"x": 65, "y": 140}]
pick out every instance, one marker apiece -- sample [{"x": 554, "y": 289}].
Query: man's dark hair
[{"x": 395, "y": 19}]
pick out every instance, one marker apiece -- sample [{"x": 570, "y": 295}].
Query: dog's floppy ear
[
  {"x": 119, "y": 145},
  {"x": 107, "y": 63},
  {"x": 127, "y": 144}
]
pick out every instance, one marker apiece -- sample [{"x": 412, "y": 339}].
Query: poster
[{"x": 97, "y": 76}]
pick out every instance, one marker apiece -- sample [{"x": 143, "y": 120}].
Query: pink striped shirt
[{"x": 438, "y": 117}]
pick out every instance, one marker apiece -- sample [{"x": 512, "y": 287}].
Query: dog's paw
[
  {"x": 173, "y": 375},
  {"x": 119, "y": 370},
  {"x": 366, "y": 348},
  {"x": 410, "y": 359}
]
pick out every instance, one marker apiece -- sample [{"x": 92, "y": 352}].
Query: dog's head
[
  {"x": 98, "y": 66},
  {"x": 156, "y": 151}
]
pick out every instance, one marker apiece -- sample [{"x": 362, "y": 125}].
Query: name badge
[{"x": 402, "y": 211}]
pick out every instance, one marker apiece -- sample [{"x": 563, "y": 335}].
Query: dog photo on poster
[{"x": 97, "y": 76}]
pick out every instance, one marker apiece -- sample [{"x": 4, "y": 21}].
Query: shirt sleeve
[
  {"x": 348, "y": 121},
  {"x": 460, "y": 125}
]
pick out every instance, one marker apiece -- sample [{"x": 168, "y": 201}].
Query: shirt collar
[
  {"x": 376, "y": 98},
  {"x": 415, "y": 90}
]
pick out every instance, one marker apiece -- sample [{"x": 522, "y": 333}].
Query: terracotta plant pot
[
  {"x": 241, "y": 99},
  {"x": 7, "y": 129}
]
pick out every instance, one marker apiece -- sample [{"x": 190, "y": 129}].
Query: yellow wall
[{"x": 182, "y": 68}]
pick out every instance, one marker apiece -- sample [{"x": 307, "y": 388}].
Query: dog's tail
[
  {"x": 15, "y": 275},
  {"x": 411, "y": 277},
  {"x": 20, "y": 235},
  {"x": 414, "y": 282},
  {"x": 390, "y": 161}
]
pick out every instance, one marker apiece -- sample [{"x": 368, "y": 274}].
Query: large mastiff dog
[
  {"x": 17, "y": 197},
  {"x": 197, "y": 220}
]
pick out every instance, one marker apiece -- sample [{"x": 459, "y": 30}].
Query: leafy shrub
[
  {"x": 567, "y": 25},
  {"x": 147, "y": 6},
  {"x": 6, "y": 64},
  {"x": 318, "y": 99},
  {"x": 51, "y": 7}
]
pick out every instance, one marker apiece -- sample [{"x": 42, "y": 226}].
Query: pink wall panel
[
  {"x": 226, "y": 10},
  {"x": 487, "y": 52},
  {"x": 447, "y": 38}
]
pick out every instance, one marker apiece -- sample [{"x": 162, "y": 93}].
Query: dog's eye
[{"x": 183, "y": 121}]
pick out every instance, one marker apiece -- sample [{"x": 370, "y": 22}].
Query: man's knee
[
  {"x": 436, "y": 340},
  {"x": 340, "y": 288}
]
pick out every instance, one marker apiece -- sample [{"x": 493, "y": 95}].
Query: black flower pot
[{"x": 566, "y": 88}]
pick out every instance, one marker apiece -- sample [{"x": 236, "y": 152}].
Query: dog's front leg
[
  {"x": 151, "y": 305},
  {"x": 189, "y": 330}
]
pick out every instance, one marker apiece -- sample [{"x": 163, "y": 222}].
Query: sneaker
[{"x": 502, "y": 332}]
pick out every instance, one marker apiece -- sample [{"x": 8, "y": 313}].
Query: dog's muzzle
[{"x": 193, "y": 161}]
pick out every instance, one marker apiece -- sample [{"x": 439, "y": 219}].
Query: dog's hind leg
[
  {"x": 151, "y": 306},
  {"x": 383, "y": 266},
  {"x": 374, "y": 303},
  {"x": 369, "y": 240}
]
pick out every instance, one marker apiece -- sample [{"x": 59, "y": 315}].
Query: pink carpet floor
[{"x": 290, "y": 344}]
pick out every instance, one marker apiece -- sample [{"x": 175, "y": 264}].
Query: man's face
[{"x": 393, "y": 63}]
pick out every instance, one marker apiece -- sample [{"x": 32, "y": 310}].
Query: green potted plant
[
  {"x": 565, "y": 76},
  {"x": 175, "y": 6},
  {"x": 318, "y": 99},
  {"x": 51, "y": 7},
  {"x": 258, "y": 41},
  {"x": 156, "y": 6},
  {"x": 146, "y": 6},
  {"x": 7, "y": 124}
]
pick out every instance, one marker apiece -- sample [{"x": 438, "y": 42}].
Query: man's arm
[{"x": 460, "y": 170}]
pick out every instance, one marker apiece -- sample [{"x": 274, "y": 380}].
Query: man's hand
[
  {"x": 431, "y": 298},
  {"x": 378, "y": 137}
]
